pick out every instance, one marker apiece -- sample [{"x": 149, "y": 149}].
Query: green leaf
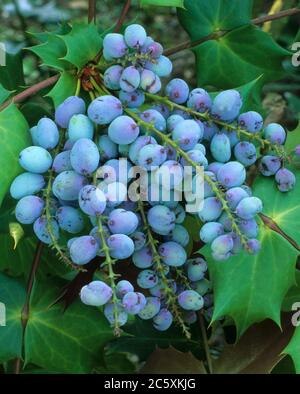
[
  {"x": 249, "y": 302},
  {"x": 51, "y": 53},
  {"x": 242, "y": 54},
  {"x": 83, "y": 43},
  {"x": 142, "y": 340},
  {"x": 16, "y": 232},
  {"x": 293, "y": 349},
  {"x": 4, "y": 94},
  {"x": 14, "y": 137},
  {"x": 200, "y": 18},
  {"x": 12, "y": 295},
  {"x": 11, "y": 75},
  {"x": 64, "y": 87},
  {"x": 35, "y": 109},
  {"x": 244, "y": 284},
  {"x": 163, "y": 3},
  {"x": 70, "y": 342},
  {"x": 292, "y": 296},
  {"x": 257, "y": 351},
  {"x": 42, "y": 37}
]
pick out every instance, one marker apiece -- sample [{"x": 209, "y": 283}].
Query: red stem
[{"x": 123, "y": 16}]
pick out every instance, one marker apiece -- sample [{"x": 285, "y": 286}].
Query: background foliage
[{"x": 248, "y": 290}]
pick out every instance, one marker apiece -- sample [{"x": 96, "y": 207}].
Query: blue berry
[
  {"x": 84, "y": 156},
  {"x": 190, "y": 300},
  {"x": 187, "y": 133},
  {"x": 26, "y": 184},
  {"x": 226, "y": 105},
  {"x": 92, "y": 200},
  {"x": 220, "y": 147},
  {"x": 112, "y": 77},
  {"x": 104, "y": 109},
  {"x": 147, "y": 279},
  {"x": 114, "y": 46},
  {"x": 67, "y": 184},
  {"x": 134, "y": 302},
  {"x": 135, "y": 36},
  {"x": 29, "y": 208},
  {"x": 46, "y": 134},
  {"x": 248, "y": 207},
  {"x": 107, "y": 148},
  {"x": 232, "y": 174},
  {"x": 132, "y": 100},
  {"x": 123, "y": 287},
  {"x": 177, "y": 90},
  {"x": 41, "y": 230},
  {"x": 35, "y": 159},
  {"x": 121, "y": 221},
  {"x": 71, "y": 106},
  {"x": 123, "y": 130},
  {"x": 172, "y": 254},
  {"x": 70, "y": 219},
  {"x": 96, "y": 293},
  {"x": 83, "y": 249},
  {"x": 151, "y": 309},
  {"x": 269, "y": 165},
  {"x": 210, "y": 231},
  {"x": 62, "y": 162},
  {"x": 275, "y": 133},
  {"x": 211, "y": 210},
  {"x": 285, "y": 180},
  {"x": 199, "y": 100},
  {"x": 245, "y": 153},
  {"x": 163, "y": 320},
  {"x": 143, "y": 258},
  {"x": 251, "y": 121},
  {"x": 79, "y": 127},
  {"x": 121, "y": 246}
]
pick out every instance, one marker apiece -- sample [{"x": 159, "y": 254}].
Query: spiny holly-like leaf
[
  {"x": 87, "y": 39},
  {"x": 293, "y": 349},
  {"x": 70, "y": 342},
  {"x": 232, "y": 59},
  {"x": 42, "y": 37},
  {"x": 201, "y": 17},
  {"x": 14, "y": 137},
  {"x": 164, "y": 361},
  {"x": 64, "y": 87},
  {"x": 257, "y": 351},
  {"x": 283, "y": 208},
  {"x": 245, "y": 284},
  {"x": 163, "y": 3},
  {"x": 12, "y": 297},
  {"x": 4, "y": 94},
  {"x": 51, "y": 53},
  {"x": 292, "y": 296}
]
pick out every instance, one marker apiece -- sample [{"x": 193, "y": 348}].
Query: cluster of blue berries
[
  {"x": 77, "y": 188},
  {"x": 138, "y": 64}
]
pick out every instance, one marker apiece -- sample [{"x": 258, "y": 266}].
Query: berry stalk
[
  {"x": 218, "y": 192},
  {"x": 169, "y": 293},
  {"x": 279, "y": 150},
  {"x": 109, "y": 262}
]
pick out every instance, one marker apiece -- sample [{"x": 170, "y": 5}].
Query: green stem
[
  {"x": 205, "y": 343},
  {"x": 78, "y": 87},
  {"x": 47, "y": 195},
  {"x": 111, "y": 275},
  {"x": 206, "y": 117},
  {"x": 168, "y": 141},
  {"x": 171, "y": 298}
]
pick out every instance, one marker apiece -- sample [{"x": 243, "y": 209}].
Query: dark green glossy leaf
[
  {"x": 64, "y": 87},
  {"x": 70, "y": 342},
  {"x": 163, "y": 3},
  {"x": 83, "y": 37},
  {"x": 12, "y": 295}
]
